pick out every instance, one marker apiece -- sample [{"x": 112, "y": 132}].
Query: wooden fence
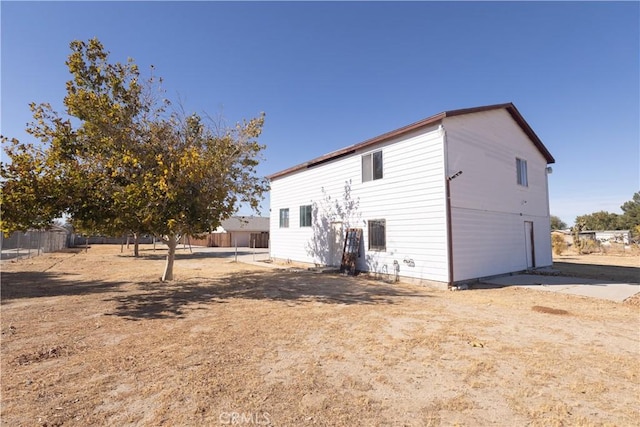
[
  {"x": 259, "y": 240},
  {"x": 214, "y": 240},
  {"x": 225, "y": 240}
]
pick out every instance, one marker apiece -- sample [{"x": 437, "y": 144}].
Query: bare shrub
[
  {"x": 558, "y": 243},
  {"x": 589, "y": 246}
]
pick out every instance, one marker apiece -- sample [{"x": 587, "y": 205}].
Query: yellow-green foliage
[{"x": 118, "y": 163}]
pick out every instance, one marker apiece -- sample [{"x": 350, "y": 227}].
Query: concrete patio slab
[{"x": 570, "y": 285}]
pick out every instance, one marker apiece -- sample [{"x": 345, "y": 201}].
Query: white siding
[
  {"x": 489, "y": 208},
  {"x": 410, "y": 198}
]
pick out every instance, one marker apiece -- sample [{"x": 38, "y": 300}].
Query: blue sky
[{"x": 332, "y": 74}]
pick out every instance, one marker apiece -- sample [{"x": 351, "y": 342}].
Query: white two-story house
[{"x": 452, "y": 198}]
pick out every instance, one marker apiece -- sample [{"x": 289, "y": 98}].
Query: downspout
[
  {"x": 547, "y": 171},
  {"x": 447, "y": 188}
]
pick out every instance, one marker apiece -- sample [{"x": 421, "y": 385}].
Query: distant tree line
[{"x": 603, "y": 220}]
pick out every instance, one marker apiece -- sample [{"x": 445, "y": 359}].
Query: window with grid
[
  {"x": 377, "y": 235},
  {"x": 284, "y": 218},
  {"x": 305, "y": 216}
]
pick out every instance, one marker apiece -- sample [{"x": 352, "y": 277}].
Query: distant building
[
  {"x": 240, "y": 231},
  {"x": 246, "y": 231},
  {"x": 611, "y": 236}
]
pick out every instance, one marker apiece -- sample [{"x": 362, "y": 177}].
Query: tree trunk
[
  {"x": 136, "y": 239},
  {"x": 172, "y": 243}
]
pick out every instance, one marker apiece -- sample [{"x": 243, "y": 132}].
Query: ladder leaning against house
[{"x": 350, "y": 251}]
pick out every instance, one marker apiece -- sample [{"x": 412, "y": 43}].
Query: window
[
  {"x": 377, "y": 235},
  {"x": 305, "y": 216},
  {"x": 521, "y": 170},
  {"x": 284, "y": 218},
  {"x": 372, "y": 166}
]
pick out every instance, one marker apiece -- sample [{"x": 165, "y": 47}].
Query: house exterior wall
[
  {"x": 489, "y": 208},
  {"x": 409, "y": 197},
  {"x": 492, "y": 215}
]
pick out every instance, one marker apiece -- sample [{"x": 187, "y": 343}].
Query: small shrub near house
[{"x": 558, "y": 243}]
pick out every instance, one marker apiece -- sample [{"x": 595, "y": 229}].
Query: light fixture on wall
[{"x": 454, "y": 176}]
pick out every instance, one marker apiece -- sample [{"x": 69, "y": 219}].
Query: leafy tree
[
  {"x": 118, "y": 163},
  {"x": 601, "y": 220},
  {"x": 630, "y": 218},
  {"x": 557, "y": 223},
  {"x": 82, "y": 170},
  {"x": 114, "y": 109},
  {"x": 31, "y": 190},
  {"x": 198, "y": 176}
]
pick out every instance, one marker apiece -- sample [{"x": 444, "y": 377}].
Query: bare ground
[{"x": 95, "y": 339}]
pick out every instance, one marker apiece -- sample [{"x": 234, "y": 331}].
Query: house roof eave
[{"x": 513, "y": 111}]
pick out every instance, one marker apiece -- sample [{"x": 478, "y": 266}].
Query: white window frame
[
  {"x": 522, "y": 177},
  {"x": 284, "y": 218},
  {"x": 306, "y": 216},
  {"x": 369, "y": 170}
]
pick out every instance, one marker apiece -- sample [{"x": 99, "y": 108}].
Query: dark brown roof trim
[
  {"x": 328, "y": 158},
  {"x": 515, "y": 114}
]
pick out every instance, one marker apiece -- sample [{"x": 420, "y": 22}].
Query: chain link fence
[{"x": 32, "y": 243}]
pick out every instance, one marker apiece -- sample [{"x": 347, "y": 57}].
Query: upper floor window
[
  {"x": 305, "y": 216},
  {"x": 377, "y": 235},
  {"x": 284, "y": 218},
  {"x": 521, "y": 170},
  {"x": 372, "y": 166}
]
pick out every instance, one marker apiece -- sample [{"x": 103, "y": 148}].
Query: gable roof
[{"x": 511, "y": 109}]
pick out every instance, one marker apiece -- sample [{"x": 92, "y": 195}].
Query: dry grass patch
[{"x": 95, "y": 339}]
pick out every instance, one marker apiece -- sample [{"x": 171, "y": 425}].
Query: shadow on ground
[
  {"x": 6, "y": 256},
  {"x": 181, "y": 254},
  {"x": 611, "y": 273},
  {"x": 33, "y": 284},
  {"x": 164, "y": 300},
  {"x": 604, "y": 275}
]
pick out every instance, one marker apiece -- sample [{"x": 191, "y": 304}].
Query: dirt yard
[{"x": 96, "y": 339}]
